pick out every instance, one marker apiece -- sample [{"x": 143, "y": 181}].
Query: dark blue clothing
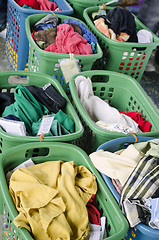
[{"x": 3, "y": 11}]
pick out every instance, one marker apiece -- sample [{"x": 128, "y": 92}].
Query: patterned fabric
[{"x": 142, "y": 183}]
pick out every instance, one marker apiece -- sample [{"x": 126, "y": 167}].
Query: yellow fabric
[
  {"x": 117, "y": 165},
  {"x": 51, "y": 199}
]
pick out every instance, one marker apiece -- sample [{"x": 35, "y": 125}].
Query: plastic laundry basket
[
  {"x": 123, "y": 93},
  {"x": 8, "y": 81},
  {"x": 17, "y": 45},
  {"x": 124, "y": 57},
  {"x": 47, "y": 62},
  {"x": 142, "y": 232},
  {"x": 80, "y": 5},
  {"x": 116, "y": 225}
]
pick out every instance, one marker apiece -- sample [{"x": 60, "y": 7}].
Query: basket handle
[
  {"x": 16, "y": 79},
  {"x": 139, "y": 48}
]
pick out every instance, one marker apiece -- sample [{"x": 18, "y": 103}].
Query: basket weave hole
[{"x": 36, "y": 152}]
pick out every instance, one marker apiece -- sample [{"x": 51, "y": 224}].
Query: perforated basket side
[
  {"x": 38, "y": 79},
  {"x": 123, "y": 93},
  {"x": 141, "y": 231},
  {"x": 116, "y": 224},
  {"x": 47, "y": 62},
  {"x": 17, "y": 45}
]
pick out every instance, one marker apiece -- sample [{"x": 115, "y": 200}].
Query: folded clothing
[
  {"x": 61, "y": 125},
  {"x": 25, "y": 107},
  {"x": 48, "y": 96}
]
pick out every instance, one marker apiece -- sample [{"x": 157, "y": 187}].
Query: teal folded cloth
[
  {"x": 25, "y": 107},
  {"x": 61, "y": 125},
  {"x": 64, "y": 119}
]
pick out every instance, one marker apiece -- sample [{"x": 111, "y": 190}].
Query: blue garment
[
  {"x": 154, "y": 222},
  {"x": 44, "y": 26},
  {"x": 26, "y": 6},
  {"x": 90, "y": 37},
  {"x": 12, "y": 117}
]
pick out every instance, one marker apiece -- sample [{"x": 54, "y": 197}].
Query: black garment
[
  {"x": 3, "y": 11},
  {"x": 12, "y": 117},
  {"x": 48, "y": 96},
  {"x": 121, "y": 20},
  {"x": 6, "y": 99}
]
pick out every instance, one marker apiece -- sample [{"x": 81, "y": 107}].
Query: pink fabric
[
  {"x": 32, "y": 3},
  {"x": 68, "y": 41},
  {"x": 47, "y": 5}
]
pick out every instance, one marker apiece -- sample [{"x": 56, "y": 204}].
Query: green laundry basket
[
  {"x": 47, "y": 62},
  {"x": 124, "y": 57},
  {"x": 123, "y": 93},
  {"x": 116, "y": 225},
  {"x": 8, "y": 82},
  {"x": 80, "y": 5}
]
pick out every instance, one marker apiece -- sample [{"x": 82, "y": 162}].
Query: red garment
[
  {"x": 144, "y": 125},
  {"x": 31, "y": 3},
  {"x": 68, "y": 41},
  {"x": 93, "y": 213},
  {"x": 117, "y": 185},
  {"x": 47, "y": 5},
  {"x": 32, "y": 34}
]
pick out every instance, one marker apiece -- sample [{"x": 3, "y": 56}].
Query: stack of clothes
[
  {"x": 29, "y": 104},
  {"x": 51, "y": 207},
  {"x": 119, "y": 25},
  {"x": 135, "y": 175},
  {"x": 106, "y": 116},
  {"x": 72, "y": 36}
]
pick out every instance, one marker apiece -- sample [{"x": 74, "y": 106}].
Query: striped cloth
[{"x": 142, "y": 183}]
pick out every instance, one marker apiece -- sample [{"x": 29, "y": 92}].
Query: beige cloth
[
  {"x": 117, "y": 165},
  {"x": 51, "y": 198}
]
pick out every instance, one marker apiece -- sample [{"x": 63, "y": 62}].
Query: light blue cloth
[
  {"x": 154, "y": 222},
  {"x": 44, "y": 26}
]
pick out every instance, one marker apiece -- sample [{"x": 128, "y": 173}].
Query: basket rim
[
  {"x": 69, "y": 137},
  {"x": 97, "y": 130},
  {"x": 50, "y": 55},
  {"x": 86, "y": 161},
  {"x": 142, "y": 227}
]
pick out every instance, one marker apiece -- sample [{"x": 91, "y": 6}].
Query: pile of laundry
[
  {"x": 29, "y": 105},
  {"x": 119, "y": 25},
  {"x": 50, "y": 207},
  {"x": 71, "y": 36},
  {"x": 135, "y": 175},
  {"x": 46, "y": 5},
  {"x": 105, "y": 116}
]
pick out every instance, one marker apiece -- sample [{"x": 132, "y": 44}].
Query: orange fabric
[{"x": 102, "y": 27}]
